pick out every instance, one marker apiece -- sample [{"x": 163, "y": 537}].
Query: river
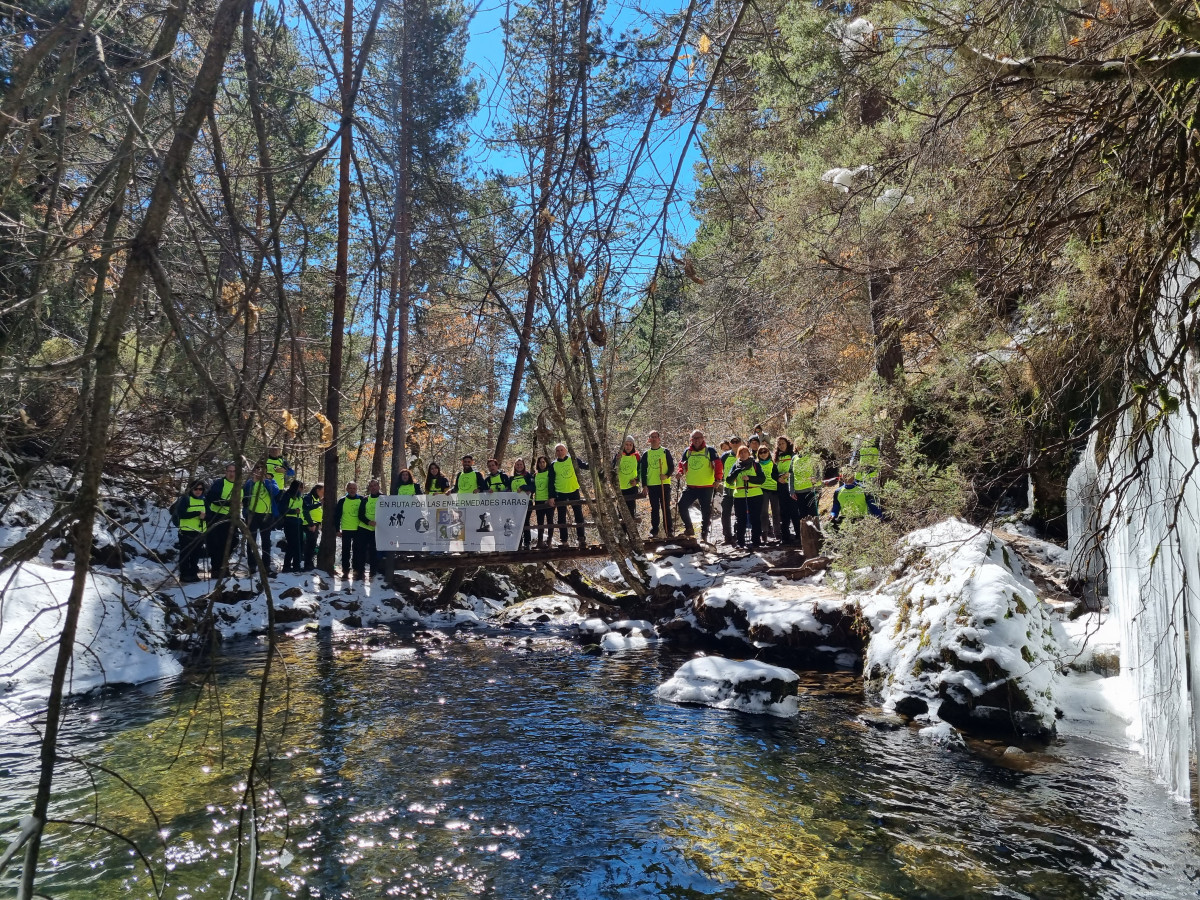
[{"x": 512, "y": 765}]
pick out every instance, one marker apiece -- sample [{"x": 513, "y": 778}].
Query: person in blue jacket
[{"x": 851, "y": 502}]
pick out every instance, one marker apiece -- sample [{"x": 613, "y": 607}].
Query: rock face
[
  {"x": 747, "y": 685},
  {"x": 960, "y": 636}
]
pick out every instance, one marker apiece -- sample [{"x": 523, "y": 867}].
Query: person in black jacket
[
  {"x": 654, "y": 471},
  {"x": 435, "y": 481},
  {"x": 497, "y": 481},
  {"x": 469, "y": 481},
  {"x": 291, "y": 502},
  {"x": 745, "y": 480},
  {"x": 311, "y": 518},
  {"x": 564, "y": 491},
  {"x": 191, "y": 510},
  {"x": 351, "y": 519},
  {"x": 220, "y": 497}
]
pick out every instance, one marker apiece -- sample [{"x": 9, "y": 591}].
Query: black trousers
[
  {"x": 562, "y": 517},
  {"x": 806, "y": 505},
  {"x": 218, "y": 531},
  {"x": 260, "y": 523},
  {"x": 311, "y": 535},
  {"x": 770, "y": 514},
  {"x": 631, "y": 498},
  {"x": 191, "y": 548},
  {"x": 789, "y": 517},
  {"x": 293, "y": 538},
  {"x": 545, "y": 521},
  {"x": 727, "y": 516},
  {"x": 660, "y": 507},
  {"x": 703, "y": 496},
  {"x": 749, "y": 512},
  {"x": 370, "y": 557},
  {"x": 352, "y": 553}
]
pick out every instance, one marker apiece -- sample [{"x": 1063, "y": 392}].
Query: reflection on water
[{"x": 482, "y": 766}]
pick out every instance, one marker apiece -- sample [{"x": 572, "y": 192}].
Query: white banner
[{"x": 451, "y": 523}]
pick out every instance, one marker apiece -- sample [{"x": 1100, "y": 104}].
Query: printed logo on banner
[{"x": 477, "y": 523}]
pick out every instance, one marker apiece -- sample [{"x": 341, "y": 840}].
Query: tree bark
[
  {"x": 333, "y": 393},
  {"x": 402, "y": 263},
  {"x": 140, "y": 261}
]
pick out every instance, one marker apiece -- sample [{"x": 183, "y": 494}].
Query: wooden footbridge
[{"x": 549, "y": 549}]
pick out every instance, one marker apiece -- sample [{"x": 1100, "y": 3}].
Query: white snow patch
[
  {"x": 683, "y": 571},
  {"x": 748, "y": 685},
  {"x": 635, "y": 640},
  {"x": 120, "y": 638}
]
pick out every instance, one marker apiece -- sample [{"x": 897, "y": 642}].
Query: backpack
[{"x": 173, "y": 509}]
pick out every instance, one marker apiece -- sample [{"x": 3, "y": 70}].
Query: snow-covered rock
[
  {"x": 635, "y": 640},
  {"x": 746, "y": 685},
  {"x": 960, "y": 635},
  {"x": 121, "y": 636},
  {"x": 892, "y": 198}
]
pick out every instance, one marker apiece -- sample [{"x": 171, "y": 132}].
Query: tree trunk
[
  {"x": 142, "y": 252},
  {"x": 328, "y": 548},
  {"x": 889, "y": 352},
  {"x": 402, "y": 264}
]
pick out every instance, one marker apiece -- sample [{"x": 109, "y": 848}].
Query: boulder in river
[{"x": 747, "y": 685}]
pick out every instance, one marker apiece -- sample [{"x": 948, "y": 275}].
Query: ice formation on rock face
[
  {"x": 1084, "y": 503},
  {"x": 1151, "y": 542}
]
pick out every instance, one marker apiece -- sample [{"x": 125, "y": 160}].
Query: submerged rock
[
  {"x": 960, "y": 635},
  {"x": 746, "y": 685}
]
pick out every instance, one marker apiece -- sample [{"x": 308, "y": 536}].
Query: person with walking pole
[{"x": 656, "y": 466}]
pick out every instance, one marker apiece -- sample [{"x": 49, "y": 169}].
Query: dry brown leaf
[
  {"x": 326, "y": 430},
  {"x": 704, "y": 44}
]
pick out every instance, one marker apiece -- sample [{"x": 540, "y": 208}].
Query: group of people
[{"x": 766, "y": 492}]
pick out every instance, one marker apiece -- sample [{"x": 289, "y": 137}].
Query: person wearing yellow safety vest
[
  {"x": 770, "y": 502},
  {"x": 219, "y": 505},
  {"x": 654, "y": 471},
  {"x": 496, "y": 481},
  {"x": 406, "y": 486},
  {"x": 789, "y": 521},
  {"x": 279, "y": 469},
  {"x": 627, "y": 466},
  {"x": 564, "y": 492},
  {"x": 292, "y": 502},
  {"x": 701, "y": 468},
  {"x": 851, "y": 502},
  {"x": 866, "y": 464},
  {"x": 522, "y": 482},
  {"x": 728, "y": 461},
  {"x": 191, "y": 510},
  {"x": 313, "y": 513},
  {"x": 541, "y": 501},
  {"x": 435, "y": 481},
  {"x": 804, "y": 485},
  {"x": 260, "y": 507},
  {"x": 746, "y": 479},
  {"x": 366, "y": 533},
  {"x": 468, "y": 481},
  {"x": 351, "y": 516}
]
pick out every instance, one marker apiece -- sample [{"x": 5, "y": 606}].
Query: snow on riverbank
[
  {"x": 121, "y": 637},
  {"x": 747, "y": 685}
]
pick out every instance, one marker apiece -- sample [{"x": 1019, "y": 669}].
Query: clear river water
[{"x": 512, "y": 765}]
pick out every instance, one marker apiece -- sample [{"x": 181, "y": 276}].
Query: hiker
[
  {"x": 770, "y": 497},
  {"x": 496, "y": 480},
  {"x": 351, "y": 516},
  {"x": 851, "y": 501},
  {"x": 191, "y": 511},
  {"x": 405, "y": 485},
  {"x": 654, "y": 471},
  {"x": 627, "y": 466},
  {"x": 701, "y": 468},
  {"x": 805, "y": 482},
  {"x": 260, "y": 506},
  {"x": 522, "y": 482},
  {"x": 366, "y": 530},
  {"x": 279, "y": 469},
  {"x": 435, "y": 481},
  {"x": 866, "y": 464},
  {"x": 728, "y": 461},
  {"x": 218, "y": 497},
  {"x": 313, "y": 513},
  {"x": 746, "y": 479},
  {"x": 292, "y": 503},
  {"x": 541, "y": 501},
  {"x": 468, "y": 481},
  {"x": 564, "y": 491}
]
